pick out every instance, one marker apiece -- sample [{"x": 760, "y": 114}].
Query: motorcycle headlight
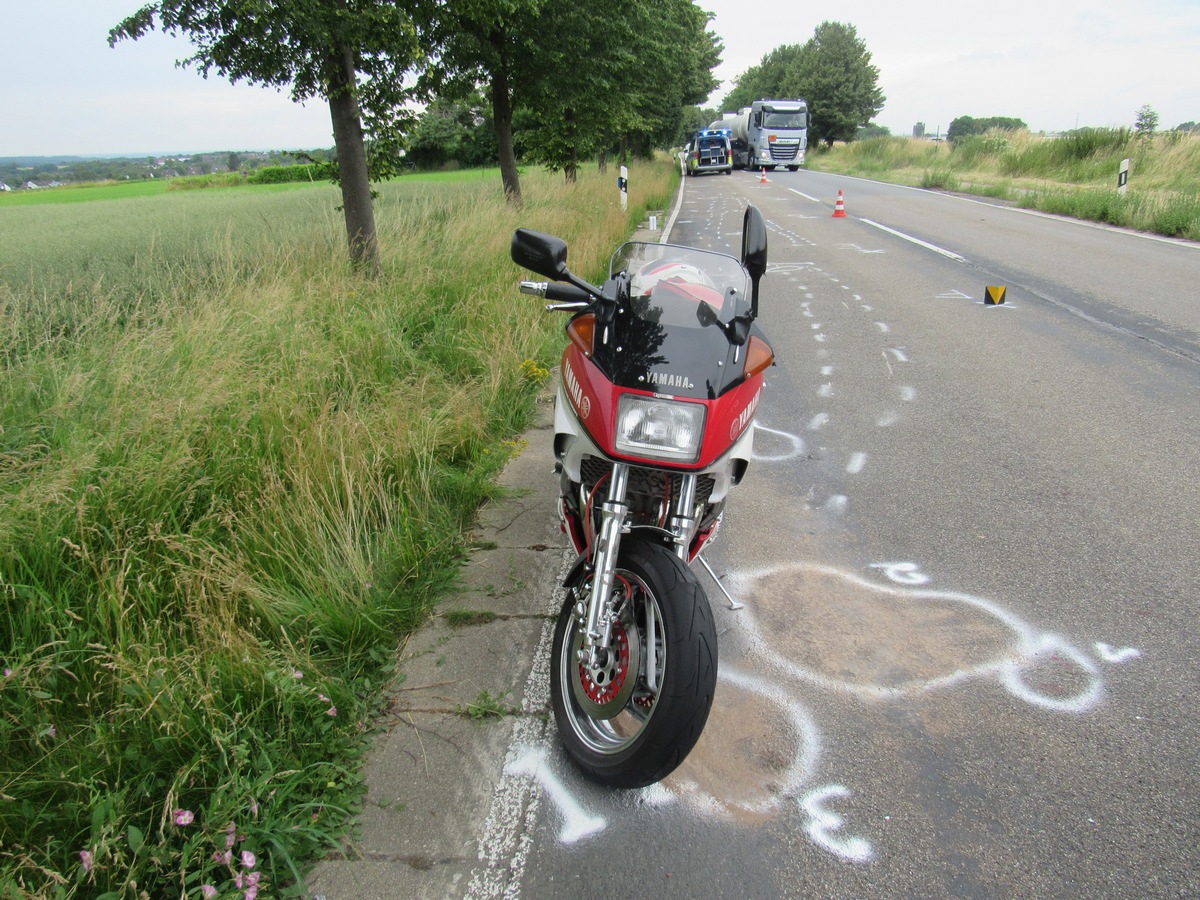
[{"x": 659, "y": 429}]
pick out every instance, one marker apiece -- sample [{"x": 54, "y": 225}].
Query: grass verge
[
  {"x": 233, "y": 474},
  {"x": 1073, "y": 175}
]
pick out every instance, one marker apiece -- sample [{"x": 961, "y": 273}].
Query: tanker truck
[{"x": 768, "y": 133}]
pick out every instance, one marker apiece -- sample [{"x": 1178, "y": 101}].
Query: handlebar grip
[
  {"x": 553, "y": 290},
  {"x": 567, "y": 293}
]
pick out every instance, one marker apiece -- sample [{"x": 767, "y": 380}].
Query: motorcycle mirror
[
  {"x": 754, "y": 243},
  {"x": 754, "y": 251},
  {"x": 541, "y": 253}
]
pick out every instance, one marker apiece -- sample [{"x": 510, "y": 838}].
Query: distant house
[{"x": 4, "y": 187}]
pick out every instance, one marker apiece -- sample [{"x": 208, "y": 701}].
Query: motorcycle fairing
[{"x": 586, "y": 408}]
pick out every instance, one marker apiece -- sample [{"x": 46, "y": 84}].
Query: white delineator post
[
  {"x": 1123, "y": 177},
  {"x": 623, "y": 186}
]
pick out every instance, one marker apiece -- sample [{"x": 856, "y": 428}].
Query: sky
[{"x": 1056, "y": 64}]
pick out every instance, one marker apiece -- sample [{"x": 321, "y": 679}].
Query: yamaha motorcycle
[{"x": 660, "y": 380}]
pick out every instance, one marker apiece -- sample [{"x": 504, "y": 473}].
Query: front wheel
[{"x": 630, "y": 722}]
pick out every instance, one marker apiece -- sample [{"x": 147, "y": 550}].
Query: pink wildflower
[
  {"x": 184, "y": 817},
  {"x": 88, "y": 860},
  {"x": 249, "y": 860},
  {"x": 297, "y": 674},
  {"x": 208, "y": 891},
  {"x": 251, "y": 892},
  {"x": 332, "y": 711}
]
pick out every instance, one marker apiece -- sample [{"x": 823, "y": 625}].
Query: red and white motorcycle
[{"x": 661, "y": 377}]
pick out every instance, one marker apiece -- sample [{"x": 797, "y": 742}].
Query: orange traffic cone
[
  {"x": 839, "y": 211},
  {"x": 762, "y": 179}
]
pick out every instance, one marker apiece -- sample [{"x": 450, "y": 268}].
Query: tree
[
  {"x": 839, "y": 82},
  {"x": 1147, "y": 120},
  {"x": 832, "y": 71},
  {"x": 352, "y": 53},
  {"x": 490, "y": 42},
  {"x": 767, "y": 80},
  {"x": 459, "y": 131},
  {"x": 647, "y": 60}
]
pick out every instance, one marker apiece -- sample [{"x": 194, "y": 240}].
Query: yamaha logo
[
  {"x": 581, "y": 401},
  {"x": 745, "y": 417},
  {"x": 665, "y": 380}
]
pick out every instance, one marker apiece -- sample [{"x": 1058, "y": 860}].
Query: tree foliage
[
  {"x": 965, "y": 126},
  {"x": 460, "y": 132},
  {"x": 1146, "y": 121},
  {"x": 354, "y": 54},
  {"x": 647, "y": 61},
  {"x": 832, "y": 71},
  {"x": 614, "y": 71}
]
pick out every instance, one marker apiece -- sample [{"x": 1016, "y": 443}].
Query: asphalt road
[
  {"x": 968, "y": 553},
  {"x": 967, "y": 666}
]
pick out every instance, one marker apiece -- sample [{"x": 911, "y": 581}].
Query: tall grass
[
  {"x": 232, "y": 475},
  {"x": 1074, "y": 174}
]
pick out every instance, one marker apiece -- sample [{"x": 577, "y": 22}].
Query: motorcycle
[{"x": 660, "y": 381}]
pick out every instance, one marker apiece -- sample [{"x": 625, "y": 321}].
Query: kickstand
[{"x": 733, "y": 604}]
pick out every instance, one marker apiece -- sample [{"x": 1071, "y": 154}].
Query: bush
[{"x": 289, "y": 174}]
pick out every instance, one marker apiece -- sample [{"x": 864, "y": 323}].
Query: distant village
[{"x": 38, "y": 173}]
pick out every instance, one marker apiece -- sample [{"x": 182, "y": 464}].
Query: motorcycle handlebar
[{"x": 553, "y": 290}]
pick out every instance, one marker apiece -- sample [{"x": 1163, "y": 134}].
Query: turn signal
[
  {"x": 759, "y": 356},
  {"x": 582, "y": 332}
]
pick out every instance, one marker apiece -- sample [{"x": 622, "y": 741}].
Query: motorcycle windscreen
[{"x": 672, "y": 337}]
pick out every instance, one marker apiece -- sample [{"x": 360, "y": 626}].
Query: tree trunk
[
  {"x": 502, "y": 115},
  {"x": 352, "y": 163},
  {"x": 571, "y": 169}
]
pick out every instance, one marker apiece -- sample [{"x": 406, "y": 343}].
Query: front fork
[{"x": 614, "y": 514}]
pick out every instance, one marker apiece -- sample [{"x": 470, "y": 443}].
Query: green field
[
  {"x": 83, "y": 193},
  {"x": 233, "y": 474}
]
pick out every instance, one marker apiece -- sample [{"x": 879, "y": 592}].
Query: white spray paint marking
[
  {"x": 1107, "y": 653},
  {"x": 857, "y": 463},
  {"x": 823, "y": 823},
  {"x": 953, "y": 295},
  {"x": 1037, "y": 647},
  {"x": 902, "y": 572},
  {"x": 825, "y": 390},
  {"x": 908, "y": 394},
  {"x": 837, "y": 503},
  {"x": 794, "y": 451},
  {"x": 506, "y": 836},
  {"x": 818, "y": 421},
  {"x": 1029, "y": 648},
  {"x": 898, "y": 354},
  {"x": 887, "y": 419},
  {"x": 577, "y": 822},
  {"x": 819, "y": 338},
  {"x": 883, "y": 327},
  {"x": 826, "y": 371}
]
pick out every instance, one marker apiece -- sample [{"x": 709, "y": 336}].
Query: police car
[{"x": 710, "y": 151}]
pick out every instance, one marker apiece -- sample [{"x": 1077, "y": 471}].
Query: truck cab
[{"x": 709, "y": 151}]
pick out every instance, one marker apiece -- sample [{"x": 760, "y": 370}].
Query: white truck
[{"x": 769, "y": 133}]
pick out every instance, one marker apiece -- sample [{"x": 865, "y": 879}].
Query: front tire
[{"x": 630, "y": 723}]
